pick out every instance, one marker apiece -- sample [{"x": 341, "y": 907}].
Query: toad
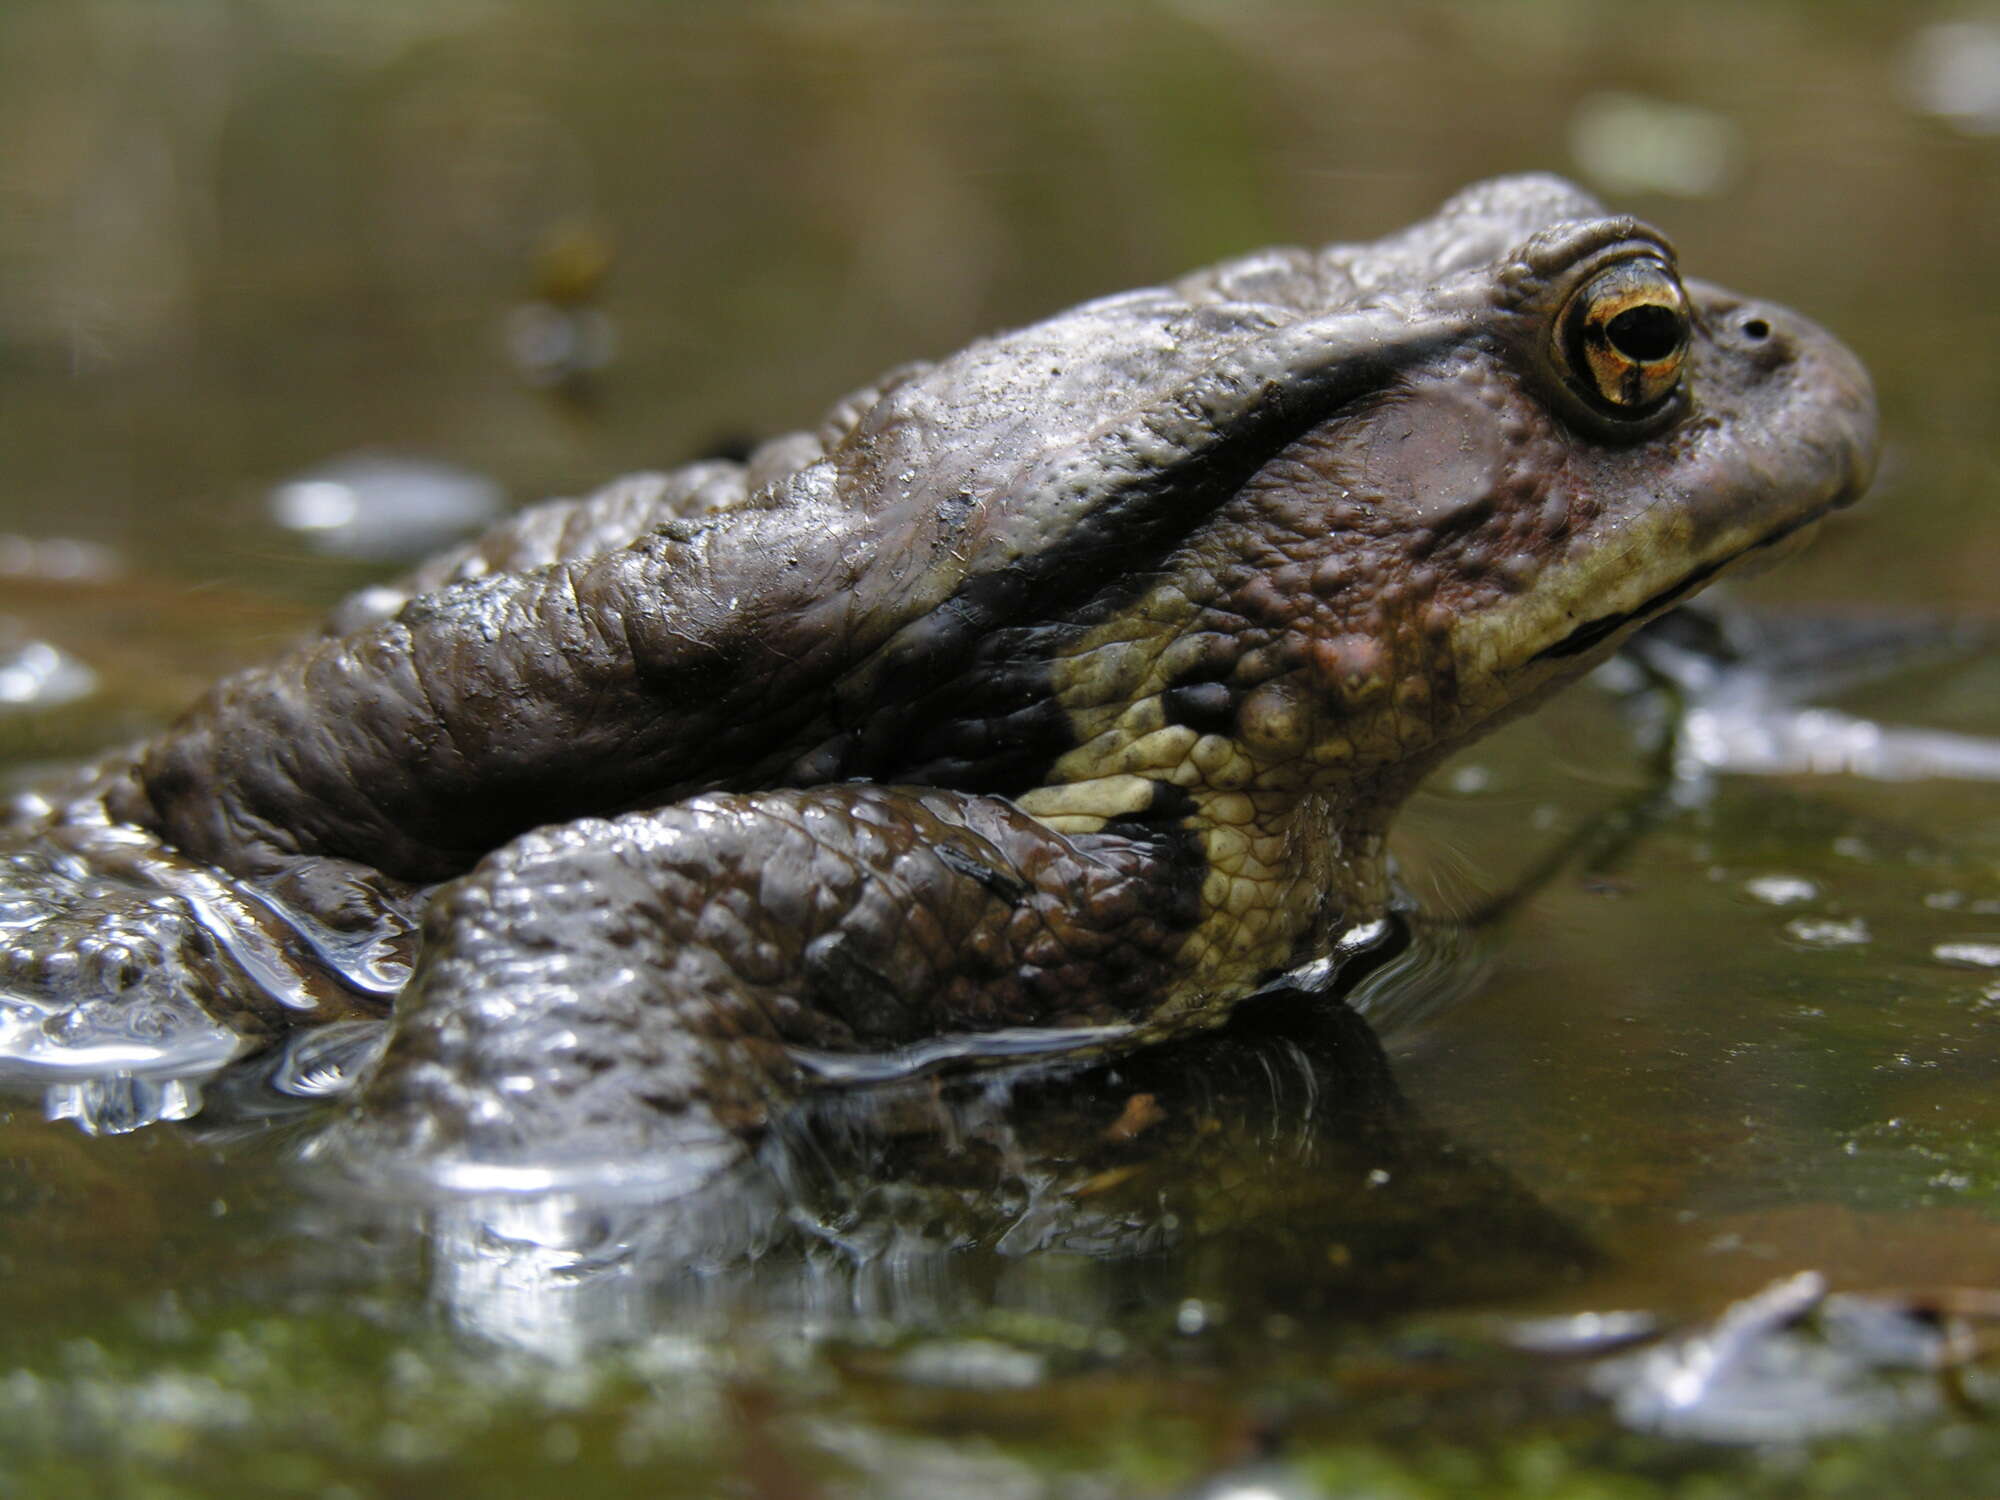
[{"x": 1059, "y": 692}]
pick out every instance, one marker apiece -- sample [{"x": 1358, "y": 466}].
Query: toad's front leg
[{"x": 613, "y": 989}]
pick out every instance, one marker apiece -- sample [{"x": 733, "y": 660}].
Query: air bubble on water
[
  {"x": 57, "y": 559},
  {"x": 35, "y": 674},
  {"x": 972, "y": 1364},
  {"x": 1630, "y": 143},
  {"x": 1951, "y": 70},
  {"x": 1781, "y": 890},
  {"x": 1828, "y": 932},
  {"x": 1469, "y": 781},
  {"x": 384, "y": 507},
  {"x": 1968, "y": 955}
]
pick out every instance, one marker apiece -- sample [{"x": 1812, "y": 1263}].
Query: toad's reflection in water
[{"x": 1271, "y": 1171}]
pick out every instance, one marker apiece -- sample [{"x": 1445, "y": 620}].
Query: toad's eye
[{"x": 1623, "y": 337}]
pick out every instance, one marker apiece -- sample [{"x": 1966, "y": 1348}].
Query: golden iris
[{"x": 1624, "y": 336}]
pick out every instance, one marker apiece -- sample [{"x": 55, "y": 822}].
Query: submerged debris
[
  {"x": 1793, "y": 1362},
  {"x": 1744, "y": 678}
]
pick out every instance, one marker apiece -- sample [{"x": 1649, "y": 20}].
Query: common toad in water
[{"x": 1067, "y": 683}]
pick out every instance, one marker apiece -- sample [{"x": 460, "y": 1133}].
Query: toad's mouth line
[{"x": 1593, "y": 632}]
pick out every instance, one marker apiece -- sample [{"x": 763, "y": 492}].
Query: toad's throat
[{"x": 1593, "y": 633}]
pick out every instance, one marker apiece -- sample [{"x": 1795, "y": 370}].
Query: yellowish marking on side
[
  {"x": 1277, "y": 865},
  {"x": 1157, "y": 755},
  {"x": 1101, "y": 797}
]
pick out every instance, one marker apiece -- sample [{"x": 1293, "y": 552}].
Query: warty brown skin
[{"x": 1070, "y": 681}]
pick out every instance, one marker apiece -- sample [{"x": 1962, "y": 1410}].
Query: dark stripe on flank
[{"x": 1095, "y": 543}]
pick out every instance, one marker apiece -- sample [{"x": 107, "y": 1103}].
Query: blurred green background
[{"x": 239, "y": 238}]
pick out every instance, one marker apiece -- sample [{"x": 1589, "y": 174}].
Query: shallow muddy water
[{"x": 255, "y": 257}]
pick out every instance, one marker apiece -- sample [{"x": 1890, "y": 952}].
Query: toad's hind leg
[{"x": 627, "y": 995}]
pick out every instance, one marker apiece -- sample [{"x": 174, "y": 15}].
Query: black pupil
[{"x": 1645, "y": 333}]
